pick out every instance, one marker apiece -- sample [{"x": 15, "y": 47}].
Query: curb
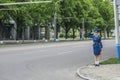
[{"x": 81, "y": 75}]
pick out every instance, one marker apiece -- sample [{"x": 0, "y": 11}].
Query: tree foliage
[{"x": 70, "y": 14}]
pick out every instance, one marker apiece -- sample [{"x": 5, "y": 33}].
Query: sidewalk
[{"x": 103, "y": 72}]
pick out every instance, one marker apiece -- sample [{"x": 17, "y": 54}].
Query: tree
[
  {"x": 106, "y": 11},
  {"x": 67, "y": 13},
  {"x": 70, "y": 14},
  {"x": 82, "y": 10},
  {"x": 30, "y": 15}
]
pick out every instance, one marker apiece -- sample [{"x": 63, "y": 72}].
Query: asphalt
[
  {"x": 52, "y": 61},
  {"x": 103, "y": 72}
]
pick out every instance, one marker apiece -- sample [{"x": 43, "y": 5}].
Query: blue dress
[{"x": 97, "y": 44}]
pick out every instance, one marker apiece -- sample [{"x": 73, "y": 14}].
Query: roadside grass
[
  {"x": 111, "y": 61},
  {"x": 38, "y": 42},
  {"x": 22, "y": 43}
]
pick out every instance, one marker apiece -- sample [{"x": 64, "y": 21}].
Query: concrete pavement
[{"x": 103, "y": 72}]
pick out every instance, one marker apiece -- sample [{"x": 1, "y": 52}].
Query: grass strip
[{"x": 111, "y": 61}]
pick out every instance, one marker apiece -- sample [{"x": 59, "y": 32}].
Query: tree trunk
[
  {"x": 108, "y": 33},
  {"x": 73, "y": 33},
  {"x": 85, "y": 33},
  {"x": 57, "y": 30},
  {"x": 32, "y": 33},
  {"x": 39, "y": 32},
  {"x": 80, "y": 33},
  {"x": 27, "y": 33},
  {"x": 67, "y": 28},
  {"x": 105, "y": 33},
  {"x": 1, "y": 30},
  {"x": 66, "y": 34},
  {"x": 47, "y": 33},
  {"x": 23, "y": 34},
  {"x": 14, "y": 31},
  {"x": 100, "y": 33}
]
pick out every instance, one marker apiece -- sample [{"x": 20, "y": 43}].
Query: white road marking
[{"x": 67, "y": 52}]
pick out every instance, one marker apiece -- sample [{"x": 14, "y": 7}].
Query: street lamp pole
[
  {"x": 83, "y": 29},
  {"x": 116, "y": 16},
  {"x": 21, "y": 3},
  {"x": 55, "y": 31},
  {"x": 8, "y": 9},
  {"x": 55, "y": 23}
]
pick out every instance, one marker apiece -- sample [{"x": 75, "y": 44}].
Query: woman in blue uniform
[{"x": 97, "y": 46}]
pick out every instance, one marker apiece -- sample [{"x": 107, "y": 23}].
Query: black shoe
[{"x": 97, "y": 65}]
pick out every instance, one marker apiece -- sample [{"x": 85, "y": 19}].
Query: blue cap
[{"x": 96, "y": 30}]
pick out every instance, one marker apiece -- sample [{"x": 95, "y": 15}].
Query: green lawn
[{"x": 111, "y": 61}]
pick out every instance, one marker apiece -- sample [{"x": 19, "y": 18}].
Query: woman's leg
[
  {"x": 100, "y": 56},
  {"x": 96, "y": 58}
]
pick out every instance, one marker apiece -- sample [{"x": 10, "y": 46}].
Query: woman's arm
[
  {"x": 90, "y": 35},
  {"x": 100, "y": 43}
]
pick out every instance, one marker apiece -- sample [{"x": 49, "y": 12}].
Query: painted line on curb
[{"x": 82, "y": 76}]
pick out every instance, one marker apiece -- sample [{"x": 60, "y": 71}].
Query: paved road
[{"x": 52, "y": 61}]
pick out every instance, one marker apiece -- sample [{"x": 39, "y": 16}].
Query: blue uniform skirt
[{"x": 96, "y": 49}]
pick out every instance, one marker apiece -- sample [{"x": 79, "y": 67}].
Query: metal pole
[
  {"x": 83, "y": 28},
  {"x": 55, "y": 18},
  {"x": 116, "y": 29},
  {"x": 20, "y": 3},
  {"x": 8, "y": 9},
  {"x": 55, "y": 27}
]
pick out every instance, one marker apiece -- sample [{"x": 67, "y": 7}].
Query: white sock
[{"x": 96, "y": 62}]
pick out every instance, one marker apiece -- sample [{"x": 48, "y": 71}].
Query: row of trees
[
  {"x": 94, "y": 13},
  {"x": 71, "y": 15}
]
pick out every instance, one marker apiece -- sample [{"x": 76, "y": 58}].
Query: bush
[
  {"x": 61, "y": 35},
  {"x": 70, "y": 35}
]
